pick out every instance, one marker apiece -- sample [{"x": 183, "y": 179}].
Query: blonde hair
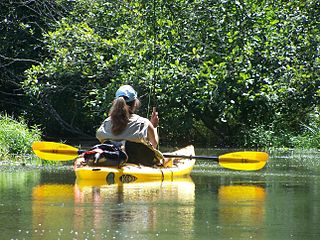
[{"x": 120, "y": 113}]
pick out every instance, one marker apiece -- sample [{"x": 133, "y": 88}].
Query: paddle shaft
[
  {"x": 62, "y": 151},
  {"x": 215, "y": 158},
  {"x": 167, "y": 155}
]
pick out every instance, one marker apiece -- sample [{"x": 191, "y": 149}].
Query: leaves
[{"x": 227, "y": 65}]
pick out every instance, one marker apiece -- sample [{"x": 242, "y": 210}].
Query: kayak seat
[{"x": 138, "y": 153}]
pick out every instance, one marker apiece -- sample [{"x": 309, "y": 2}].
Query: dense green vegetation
[
  {"x": 16, "y": 137},
  {"x": 222, "y": 73}
]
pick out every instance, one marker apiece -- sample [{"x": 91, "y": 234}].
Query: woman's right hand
[{"x": 154, "y": 118}]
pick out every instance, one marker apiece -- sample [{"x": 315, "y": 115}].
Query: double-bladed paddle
[{"x": 247, "y": 160}]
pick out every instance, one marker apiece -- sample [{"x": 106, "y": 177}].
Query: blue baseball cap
[{"x": 127, "y": 92}]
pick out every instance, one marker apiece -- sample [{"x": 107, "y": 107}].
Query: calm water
[{"x": 280, "y": 202}]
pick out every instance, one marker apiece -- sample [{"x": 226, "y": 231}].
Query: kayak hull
[{"x": 138, "y": 173}]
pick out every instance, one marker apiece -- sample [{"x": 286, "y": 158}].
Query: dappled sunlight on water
[{"x": 277, "y": 202}]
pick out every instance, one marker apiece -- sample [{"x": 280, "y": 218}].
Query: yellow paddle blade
[
  {"x": 54, "y": 151},
  {"x": 248, "y": 160}
]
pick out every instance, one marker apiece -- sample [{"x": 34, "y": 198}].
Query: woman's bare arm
[
  {"x": 153, "y": 135},
  {"x": 152, "y": 129}
]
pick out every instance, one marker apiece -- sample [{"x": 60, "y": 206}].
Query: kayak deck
[{"x": 138, "y": 173}]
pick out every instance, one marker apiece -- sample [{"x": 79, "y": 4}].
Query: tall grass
[{"x": 16, "y": 137}]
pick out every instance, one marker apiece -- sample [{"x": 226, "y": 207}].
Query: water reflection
[
  {"x": 242, "y": 207},
  {"x": 14, "y": 202},
  {"x": 93, "y": 209},
  {"x": 276, "y": 203},
  {"x": 52, "y": 210},
  {"x": 136, "y": 207}
]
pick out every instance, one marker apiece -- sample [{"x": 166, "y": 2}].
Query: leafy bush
[
  {"x": 16, "y": 137},
  {"x": 270, "y": 136},
  {"x": 267, "y": 136},
  {"x": 310, "y": 138}
]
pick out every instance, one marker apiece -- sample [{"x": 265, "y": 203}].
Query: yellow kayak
[{"x": 138, "y": 173}]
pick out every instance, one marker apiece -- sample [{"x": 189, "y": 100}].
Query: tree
[
  {"x": 21, "y": 46},
  {"x": 226, "y": 66}
]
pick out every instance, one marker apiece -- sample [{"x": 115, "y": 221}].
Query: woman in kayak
[{"x": 139, "y": 134}]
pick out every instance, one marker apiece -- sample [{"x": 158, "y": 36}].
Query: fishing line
[
  {"x": 153, "y": 79},
  {"x": 152, "y": 85}
]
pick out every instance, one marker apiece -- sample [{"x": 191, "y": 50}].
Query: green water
[{"x": 282, "y": 201}]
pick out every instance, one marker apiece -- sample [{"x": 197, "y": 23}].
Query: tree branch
[
  {"x": 65, "y": 125},
  {"x": 14, "y": 60}
]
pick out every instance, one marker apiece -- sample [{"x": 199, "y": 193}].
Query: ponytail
[{"x": 119, "y": 113}]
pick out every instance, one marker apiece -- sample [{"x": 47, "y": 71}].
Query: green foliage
[
  {"x": 16, "y": 137},
  {"x": 269, "y": 136},
  {"x": 22, "y": 24},
  {"x": 236, "y": 67},
  {"x": 310, "y": 137}
]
